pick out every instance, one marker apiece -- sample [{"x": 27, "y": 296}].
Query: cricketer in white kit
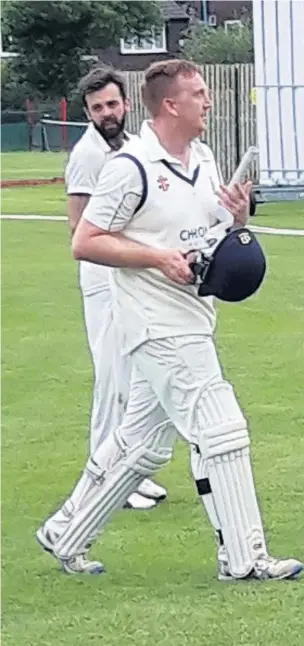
[
  {"x": 153, "y": 203},
  {"x": 105, "y": 102}
]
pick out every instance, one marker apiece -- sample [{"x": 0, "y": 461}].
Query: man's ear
[
  {"x": 87, "y": 114},
  {"x": 169, "y": 105},
  {"x": 127, "y": 105}
]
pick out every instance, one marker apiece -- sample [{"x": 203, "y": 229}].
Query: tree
[
  {"x": 205, "y": 44},
  {"x": 14, "y": 92},
  {"x": 51, "y": 37}
]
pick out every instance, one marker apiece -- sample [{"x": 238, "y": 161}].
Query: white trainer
[
  {"x": 223, "y": 565},
  {"x": 137, "y": 501},
  {"x": 79, "y": 564},
  {"x": 152, "y": 490},
  {"x": 266, "y": 568}
]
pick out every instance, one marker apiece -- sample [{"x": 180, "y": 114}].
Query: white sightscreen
[{"x": 279, "y": 71}]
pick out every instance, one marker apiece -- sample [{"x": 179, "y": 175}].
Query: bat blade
[{"x": 246, "y": 161}]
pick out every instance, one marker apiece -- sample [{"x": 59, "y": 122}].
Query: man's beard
[{"x": 112, "y": 131}]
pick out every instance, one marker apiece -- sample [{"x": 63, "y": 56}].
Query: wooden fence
[{"x": 232, "y": 121}]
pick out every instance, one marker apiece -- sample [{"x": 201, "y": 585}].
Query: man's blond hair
[{"x": 160, "y": 80}]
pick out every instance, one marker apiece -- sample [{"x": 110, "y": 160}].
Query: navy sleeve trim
[{"x": 143, "y": 175}]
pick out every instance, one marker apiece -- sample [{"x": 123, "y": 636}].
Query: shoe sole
[
  {"x": 159, "y": 498},
  {"x": 294, "y": 574},
  {"x": 128, "y": 505},
  {"x": 68, "y": 572},
  {"x": 287, "y": 577},
  {"x": 156, "y": 498},
  {"x": 46, "y": 546}
]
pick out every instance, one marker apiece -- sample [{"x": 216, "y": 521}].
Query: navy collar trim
[{"x": 176, "y": 172}]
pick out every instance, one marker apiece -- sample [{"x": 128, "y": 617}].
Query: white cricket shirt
[
  {"x": 86, "y": 160},
  {"x": 162, "y": 205}
]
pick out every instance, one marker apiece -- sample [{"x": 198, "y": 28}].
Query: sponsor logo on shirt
[{"x": 192, "y": 234}]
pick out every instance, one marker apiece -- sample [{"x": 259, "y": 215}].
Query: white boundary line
[
  {"x": 63, "y": 218},
  {"x": 277, "y": 232},
  {"x": 48, "y": 218}
]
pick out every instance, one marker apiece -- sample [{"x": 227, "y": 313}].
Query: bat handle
[{"x": 244, "y": 164}]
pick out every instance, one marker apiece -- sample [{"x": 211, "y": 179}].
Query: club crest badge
[
  {"x": 244, "y": 237},
  {"x": 163, "y": 183}
]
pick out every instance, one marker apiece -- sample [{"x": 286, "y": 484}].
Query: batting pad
[
  {"x": 199, "y": 469},
  {"x": 224, "y": 447},
  {"x": 124, "y": 473},
  {"x": 235, "y": 500}
]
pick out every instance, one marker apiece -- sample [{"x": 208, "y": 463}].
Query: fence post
[
  {"x": 63, "y": 128},
  {"x": 29, "y": 119},
  {"x": 44, "y": 146},
  {"x": 237, "y": 115}
]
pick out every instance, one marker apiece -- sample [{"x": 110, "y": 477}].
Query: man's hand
[
  {"x": 236, "y": 200},
  {"x": 175, "y": 266}
]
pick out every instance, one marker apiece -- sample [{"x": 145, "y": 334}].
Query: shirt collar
[
  {"x": 155, "y": 150},
  {"x": 101, "y": 142}
]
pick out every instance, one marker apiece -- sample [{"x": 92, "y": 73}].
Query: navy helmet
[{"x": 233, "y": 270}]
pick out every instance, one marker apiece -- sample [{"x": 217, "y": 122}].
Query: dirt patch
[{"x": 10, "y": 183}]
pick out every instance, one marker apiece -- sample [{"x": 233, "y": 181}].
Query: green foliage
[
  {"x": 52, "y": 36},
  {"x": 4, "y": 72},
  {"x": 14, "y": 92},
  {"x": 205, "y": 44}
]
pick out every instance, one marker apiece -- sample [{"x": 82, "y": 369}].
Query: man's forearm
[
  {"x": 76, "y": 206},
  {"x": 115, "y": 250}
]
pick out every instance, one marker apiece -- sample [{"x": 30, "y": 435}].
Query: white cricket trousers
[
  {"x": 169, "y": 377},
  {"x": 111, "y": 370}
]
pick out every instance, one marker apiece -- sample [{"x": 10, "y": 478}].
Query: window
[
  {"x": 4, "y": 54},
  {"x": 212, "y": 20},
  {"x": 152, "y": 43},
  {"x": 89, "y": 57},
  {"x": 235, "y": 25}
]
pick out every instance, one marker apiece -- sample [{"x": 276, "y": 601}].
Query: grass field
[
  {"x": 50, "y": 200},
  {"x": 160, "y": 587},
  {"x": 32, "y": 165}
]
